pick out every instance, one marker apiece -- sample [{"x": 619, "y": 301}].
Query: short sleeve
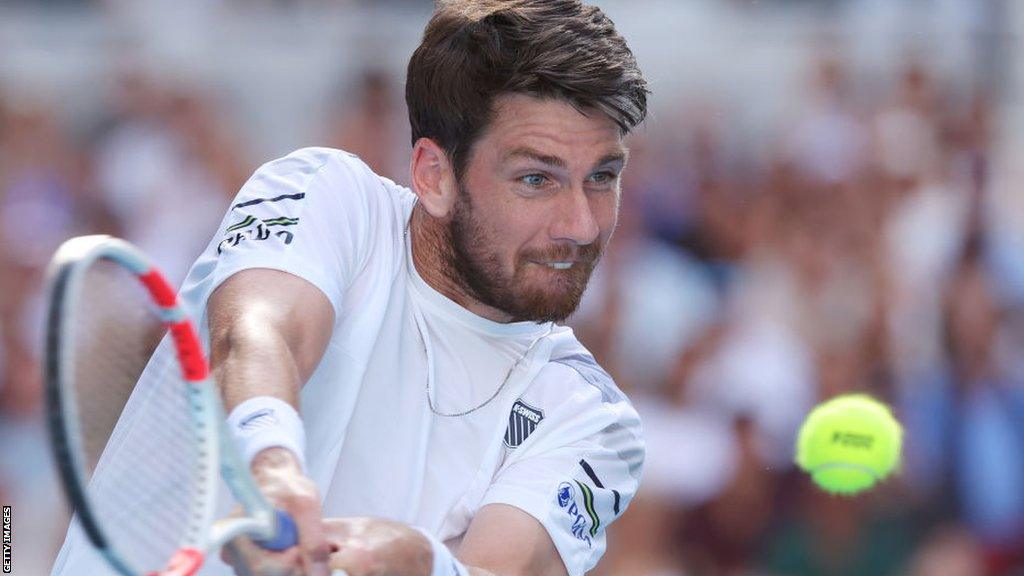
[
  {"x": 309, "y": 214},
  {"x": 579, "y": 469}
]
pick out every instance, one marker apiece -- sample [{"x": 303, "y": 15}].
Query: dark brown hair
[{"x": 474, "y": 51}]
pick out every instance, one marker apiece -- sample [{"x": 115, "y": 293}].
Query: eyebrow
[
  {"x": 551, "y": 160},
  {"x": 529, "y": 153},
  {"x": 621, "y": 156}
]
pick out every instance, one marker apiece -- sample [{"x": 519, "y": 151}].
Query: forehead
[{"x": 551, "y": 126}]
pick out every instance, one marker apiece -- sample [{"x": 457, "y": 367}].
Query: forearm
[
  {"x": 263, "y": 348},
  {"x": 268, "y": 331},
  {"x": 250, "y": 359},
  {"x": 260, "y": 381}
]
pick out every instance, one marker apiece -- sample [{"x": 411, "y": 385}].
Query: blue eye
[
  {"x": 603, "y": 177},
  {"x": 534, "y": 180}
]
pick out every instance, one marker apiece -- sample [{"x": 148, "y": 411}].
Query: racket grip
[{"x": 287, "y": 534}]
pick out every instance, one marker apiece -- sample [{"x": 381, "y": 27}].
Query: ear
[{"x": 433, "y": 178}]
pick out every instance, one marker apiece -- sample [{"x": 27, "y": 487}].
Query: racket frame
[{"x": 215, "y": 445}]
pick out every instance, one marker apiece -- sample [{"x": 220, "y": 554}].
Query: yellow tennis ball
[{"x": 849, "y": 443}]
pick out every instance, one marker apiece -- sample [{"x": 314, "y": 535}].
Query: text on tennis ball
[{"x": 853, "y": 440}]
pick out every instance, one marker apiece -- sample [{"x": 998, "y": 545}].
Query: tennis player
[{"x": 393, "y": 359}]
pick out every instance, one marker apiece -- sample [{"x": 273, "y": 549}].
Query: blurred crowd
[
  {"x": 865, "y": 248},
  {"x": 864, "y": 251}
]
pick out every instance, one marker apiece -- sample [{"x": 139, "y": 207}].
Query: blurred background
[{"x": 825, "y": 198}]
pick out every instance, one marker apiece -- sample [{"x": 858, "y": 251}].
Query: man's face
[{"x": 537, "y": 204}]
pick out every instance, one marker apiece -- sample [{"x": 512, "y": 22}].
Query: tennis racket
[{"x": 138, "y": 457}]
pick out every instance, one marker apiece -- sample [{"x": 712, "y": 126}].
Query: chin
[{"x": 550, "y": 301}]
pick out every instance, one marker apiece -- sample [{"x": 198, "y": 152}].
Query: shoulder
[
  {"x": 573, "y": 373},
  {"x": 584, "y": 395},
  {"x": 329, "y": 179},
  {"x": 304, "y": 165},
  {"x": 582, "y": 403},
  {"x": 582, "y": 371}
]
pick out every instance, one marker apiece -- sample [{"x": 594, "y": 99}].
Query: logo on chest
[{"x": 522, "y": 421}]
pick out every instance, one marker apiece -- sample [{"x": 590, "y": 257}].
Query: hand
[
  {"x": 377, "y": 547},
  {"x": 280, "y": 478}
]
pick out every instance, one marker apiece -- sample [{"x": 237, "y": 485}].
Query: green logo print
[
  {"x": 588, "y": 503},
  {"x": 250, "y": 220}
]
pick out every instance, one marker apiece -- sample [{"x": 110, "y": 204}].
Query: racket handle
[{"x": 287, "y": 534}]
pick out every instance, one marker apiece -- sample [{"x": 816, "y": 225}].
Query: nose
[{"x": 576, "y": 220}]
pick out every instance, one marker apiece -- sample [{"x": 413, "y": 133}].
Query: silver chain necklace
[
  {"x": 430, "y": 367},
  {"x": 508, "y": 376}
]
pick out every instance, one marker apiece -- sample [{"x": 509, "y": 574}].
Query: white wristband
[
  {"x": 444, "y": 563},
  {"x": 267, "y": 422}
]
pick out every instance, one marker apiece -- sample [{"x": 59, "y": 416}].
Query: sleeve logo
[
  {"x": 565, "y": 494},
  {"x": 581, "y": 529},
  {"x": 258, "y": 229},
  {"x": 522, "y": 421},
  {"x": 252, "y": 228}
]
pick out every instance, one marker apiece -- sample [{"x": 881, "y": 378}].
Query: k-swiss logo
[{"x": 522, "y": 421}]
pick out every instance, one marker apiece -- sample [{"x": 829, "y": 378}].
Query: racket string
[{"x": 143, "y": 472}]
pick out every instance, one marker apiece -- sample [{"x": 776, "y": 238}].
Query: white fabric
[
  {"x": 265, "y": 422},
  {"x": 374, "y": 447}
]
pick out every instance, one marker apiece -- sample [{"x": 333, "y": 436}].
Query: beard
[{"x": 473, "y": 262}]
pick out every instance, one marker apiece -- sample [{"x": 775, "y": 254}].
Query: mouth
[{"x": 556, "y": 265}]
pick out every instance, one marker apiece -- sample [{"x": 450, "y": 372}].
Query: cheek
[
  {"x": 606, "y": 212},
  {"x": 502, "y": 239}
]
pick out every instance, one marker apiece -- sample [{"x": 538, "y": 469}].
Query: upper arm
[
  {"x": 295, "y": 238},
  {"x": 487, "y": 544}
]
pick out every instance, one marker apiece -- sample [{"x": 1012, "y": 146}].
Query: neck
[{"x": 431, "y": 254}]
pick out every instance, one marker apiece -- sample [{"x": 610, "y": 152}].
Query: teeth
[{"x": 560, "y": 265}]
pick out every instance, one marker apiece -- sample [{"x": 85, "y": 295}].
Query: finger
[
  {"x": 238, "y": 554},
  {"x": 247, "y": 559},
  {"x": 312, "y": 537},
  {"x": 232, "y": 554},
  {"x": 287, "y": 563},
  {"x": 281, "y": 479},
  {"x": 337, "y": 532},
  {"x": 355, "y": 559},
  {"x": 316, "y": 553}
]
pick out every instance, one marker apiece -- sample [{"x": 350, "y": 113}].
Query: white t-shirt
[{"x": 558, "y": 440}]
